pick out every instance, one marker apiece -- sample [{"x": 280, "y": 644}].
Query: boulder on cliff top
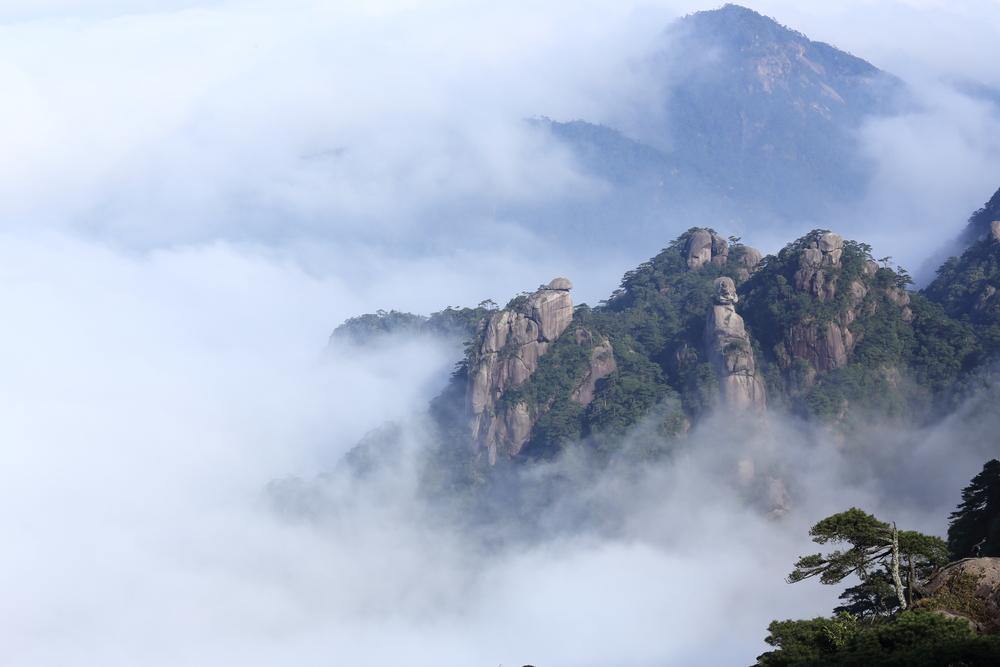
[{"x": 704, "y": 246}]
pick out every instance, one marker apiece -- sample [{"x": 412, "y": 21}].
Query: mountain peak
[
  {"x": 749, "y": 32},
  {"x": 735, "y": 19}
]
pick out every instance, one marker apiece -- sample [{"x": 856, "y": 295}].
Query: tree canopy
[{"x": 975, "y": 525}]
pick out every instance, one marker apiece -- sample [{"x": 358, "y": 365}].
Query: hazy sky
[
  {"x": 193, "y": 194},
  {"x": 397, "y": 125}
]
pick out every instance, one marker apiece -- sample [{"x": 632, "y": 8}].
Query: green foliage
[
  {"x": 870, "y": 600},
  {"x": 659, "y": 309},
  {"x": 911, "y": 639},
  {"x": 901, "y": 367},
  {"x": 868, "y": 540},
  {"x": 869, "y": 629},
  {"x": 875, "y": 596},
  {"x": 560, "y": 370},
  {"x": 808, "y": 642},
  {"x": 975, "y": 525},
  {"x": 869, "y": 556},
  {"x": 898, "y": 368},
  {"x": 928, "y": 552},
  {"x": 461, "y": 323},
  {"x": 943, "y": 348},
  {"x": 961, "y": 281},
  {"x": 967, "y": 289},
  {"x": 627, "y": 395},
  {"x": 548, "y": 395},
  {"x": 838, "y": 390},
  {"x": 773, "y": 305},
  {"x": 958, "y": 596},
  {"x": 362, "y": 329}
]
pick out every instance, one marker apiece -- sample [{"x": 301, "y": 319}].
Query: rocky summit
[{"x": 819, "y": 329}]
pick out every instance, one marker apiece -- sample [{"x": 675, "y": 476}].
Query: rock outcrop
[
  {"x": 815, "y": 264},
  {"x": 828, "y": 345},
  {"x": 513, "y": 341},
  {"x": 602, "y": 364},
  {"x": 730, "y": 353},
  {"x": 968, "y": 589},
  {"x": 746, "y": 260},
  {"x": 825, "y": 345},
  {"x": 704, "y": 247}
]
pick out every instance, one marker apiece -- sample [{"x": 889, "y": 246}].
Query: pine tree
[
  {"x": 975, "y": 525},
  {"x": 881, "y": 556}
]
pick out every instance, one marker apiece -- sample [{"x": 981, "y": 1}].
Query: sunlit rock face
[
  {"x": 511, "y": 345},
  {"x": 728, "y": 348}
]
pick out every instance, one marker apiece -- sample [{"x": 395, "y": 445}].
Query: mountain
[
  {"x": 766, "y": 109},
  {"x": 820, "y": 330},
  {"x": 750, "y": 121},
  {"x": 708, "y": 333}
]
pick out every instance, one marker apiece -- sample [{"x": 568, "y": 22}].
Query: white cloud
[{"x": 192, "y": 194}]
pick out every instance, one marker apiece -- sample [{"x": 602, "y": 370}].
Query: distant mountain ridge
[{"x": 754, "y": 122}]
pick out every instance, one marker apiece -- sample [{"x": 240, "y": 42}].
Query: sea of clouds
[{"x": 193, "y": 194}]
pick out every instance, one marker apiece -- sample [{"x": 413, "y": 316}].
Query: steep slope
[{"x": 980, "y": 223}]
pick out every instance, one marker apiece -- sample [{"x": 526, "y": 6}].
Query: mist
[{"x": 193, "y": 194}]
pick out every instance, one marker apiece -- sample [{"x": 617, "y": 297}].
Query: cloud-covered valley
[{"x": 193, "y": 194}]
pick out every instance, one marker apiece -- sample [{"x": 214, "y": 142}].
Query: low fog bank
[{"x": 153, "y": 401}]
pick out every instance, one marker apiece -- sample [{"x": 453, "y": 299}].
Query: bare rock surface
[
  {"x": 602, "y": 364},
  {"x": 815, "y": 264},
  {"x": 747, "y": 262},
  {"x": 704, "y": 247},
  {"x": 728, "y": 348},
  {"x": 512, "y": 343}
]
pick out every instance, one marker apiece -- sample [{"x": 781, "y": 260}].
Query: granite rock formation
[
  {"x": 507, "y": 354},
  {"x": 602, "y": 364},
  {"x": 704, "y": 247},
  {"x": 730, "y": 353}
]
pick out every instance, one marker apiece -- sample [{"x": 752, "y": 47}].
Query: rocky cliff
[
  {"x": 730, "y": 352},
  {"x": 507, "y": 354}
]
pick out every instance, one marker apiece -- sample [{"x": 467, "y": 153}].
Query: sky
[{"x": 194, "y": 194}]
